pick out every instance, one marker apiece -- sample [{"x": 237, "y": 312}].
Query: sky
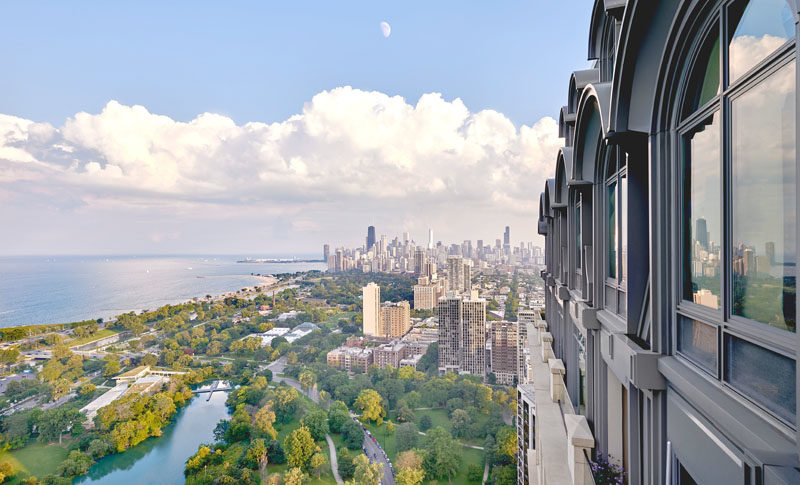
[{"x": 276, "y": 127}]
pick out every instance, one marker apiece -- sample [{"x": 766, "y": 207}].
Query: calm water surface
[
  {"x": 161, "y": 460},
  {"x": 40, "y": 289}
]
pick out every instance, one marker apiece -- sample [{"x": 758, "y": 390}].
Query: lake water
[
  {"x": 161, "y": 460},
  {"x": 39, "y": 289}
]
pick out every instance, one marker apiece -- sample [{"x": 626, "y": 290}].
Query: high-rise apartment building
[
  {"x": 524, "y": 319},
  {"x": 449, "y": 309},
  {"x": 455, "y": 273},
  {"x": 370, "y": 237},
  {"x": 467, "y": 283},
  {"x": 326, "y": 252},
  {"x": 473, "y": 337},
  {"x": 420, "y": 261},
  {"x": 395, "y": 319},
  {"x": 425, "y": 296},
  {"x": 505, "y": 363},
  {"x": 371, "y": 300}
]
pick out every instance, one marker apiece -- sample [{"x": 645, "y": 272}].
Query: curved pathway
[
  {"x": 277, "y": 367},
  {"x": 334, "y": 462}
]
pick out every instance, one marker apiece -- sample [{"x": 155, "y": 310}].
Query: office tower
[
  {"x": 406, "y": 237},
  {"x": 467, "y": 277},
  {"x": 382, "y": 247},
  {"x": 339, "y": 263},
  {"x": 524, "y": 319},
  {"x": 419, "y": 262},
  {"x": 372, "y": 309},
  {"x": 473, "y": 337},
  {"x": 480, "y": 244},
  {"x": 497, "y": 243},
  {"x": 326, "y": 252},
  {"x": 455, "y": 273},
  {"x": 395, "y": 319},
  {"x": 507, "y": 239},
  {"x": 370, "y": 237},
  {"x": 702, "y": 232},
  {"x": 505, "y": 363},
  {"x": 430, "y": 238},
  {"x": 449, "y": 334}
]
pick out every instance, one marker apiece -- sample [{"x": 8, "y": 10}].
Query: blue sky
[
  {"x": 260, "y": 61},
  {"x": 105, "y": 147}
]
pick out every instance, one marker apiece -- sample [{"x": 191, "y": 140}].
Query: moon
[{"x": 386, "y": 29}]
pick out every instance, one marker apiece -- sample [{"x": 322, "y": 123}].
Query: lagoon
[{"x": 161, "y": 460}]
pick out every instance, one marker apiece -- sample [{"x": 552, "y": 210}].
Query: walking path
[
  {"x": 485, "y": 473},
  {"x": 334, "y": 461},
  {"x": 277, "y": 367}
]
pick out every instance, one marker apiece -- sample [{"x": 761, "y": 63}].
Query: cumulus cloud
[{"x": 347, "y": 151}]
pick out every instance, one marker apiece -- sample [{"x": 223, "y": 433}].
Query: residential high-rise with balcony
[{"x": 371, "y": 301}]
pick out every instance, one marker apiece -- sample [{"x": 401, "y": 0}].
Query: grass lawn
[
  {"x": 36, "y": 459},
  {"x": 468, "y": 455},
  {"x": 106, "y": 332},
  {"x": 332, "y": 320},
  {"x": 439, "y": 418}
]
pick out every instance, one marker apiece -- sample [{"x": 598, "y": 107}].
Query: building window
[
  {"x": 616, "y": 182},
  {"x": 738, "y": 204}
]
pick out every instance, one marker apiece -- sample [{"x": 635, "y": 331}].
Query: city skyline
[{"x": 111, "y": 145}]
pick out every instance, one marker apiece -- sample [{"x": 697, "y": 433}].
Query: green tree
[
  {"x": 6, "y": 471},
  {"x": 338, "y": 415},
  {"x": 506, "y": 442},
  {"x": 352, "y": 434},
  {"x": 295, "y": 476},
  {"x": 460, "y": 423},
  {"x": 265, "y": 421},
  {"x": 317, "y": 423},
  {"x": 474, "y": 473},
  {"x": 425, "y": 422},
  {"x": 77, "y": 463},
  {"x": 406, "y": 436},
  {"x": 257, "y": 454},
  {"x": 112, "y": 368},
  {"x": 370, "y": 403},
  {"x": 367, "y": 473},
  {"x": 318, "y": 463},
  {"x": 306, "y": 379},
  {"x": 53, "y": 423},
  {"x": 505, "y": 475},
  {"x": 443, "y": 455},
  {"x": 410, "y": 476},
  {"x": 299, "y": 447}
]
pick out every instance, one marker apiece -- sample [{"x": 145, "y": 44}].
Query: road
[
  {"x": 14, "y": 377},
  {"x": 376, "y": 455}
]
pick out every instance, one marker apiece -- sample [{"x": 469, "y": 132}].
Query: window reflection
[
  {"x": 705, "y": 75},
  {"x": 612, "y": 229},
  {"x": 698, "y": 341},
  {"x": 578, "y": 232},
  {"x": 702, "y": 214},
  {"x": 623, "y": 227},
  {"x": 763, "y": 157},
  {"x": 761, "y": 27}
]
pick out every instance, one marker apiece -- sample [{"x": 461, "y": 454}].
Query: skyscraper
[
  {"x": 473, "y": 337},
  {"x": 507, "y": 239},
  {"x": 430, "y": 238},
  {"x": 371, "y": 302},
  {"x": 467, "y": 283},
  {"x": 455, "y": 273},
  {"x": 370, "y": 237},
  {"x": 449, "y": 334},
  {"x": 419, "y": 262},
  {"x": 326, "y": 252},
  {"x": 702, "y": 232}
]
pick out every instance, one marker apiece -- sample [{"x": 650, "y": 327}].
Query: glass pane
[
  {"x": 762, "y": 26},
  {"x": 701, "y": 205},
  {"x": 767, "y": 377},
  {"x": 623, "y": 227},
  {"x": 578, "y": 236},
  {"x": 611, "y": 201},
  {"x": 698, "y": 342},
  {"x": 764, "y": 220},
  {"x": 705, "y": 80}
]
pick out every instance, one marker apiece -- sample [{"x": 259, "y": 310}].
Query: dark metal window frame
[{"x": 770, "y": 338}]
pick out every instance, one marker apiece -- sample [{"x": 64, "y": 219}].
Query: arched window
[
  {"x": 608, "y": 50},
  {"x": 616, "y": 228},
  {"x": 738, "y": 204}
]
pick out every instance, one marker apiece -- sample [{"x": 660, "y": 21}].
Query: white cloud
[{"x": 348, "y": 152}]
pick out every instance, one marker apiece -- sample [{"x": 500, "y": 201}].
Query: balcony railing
[{"x": 563, "y": 438}]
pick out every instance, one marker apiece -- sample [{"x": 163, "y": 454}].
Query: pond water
[{"x": 160, "y": 460}]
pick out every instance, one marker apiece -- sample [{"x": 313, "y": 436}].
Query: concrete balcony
[{"x": 563, "y": 440}]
